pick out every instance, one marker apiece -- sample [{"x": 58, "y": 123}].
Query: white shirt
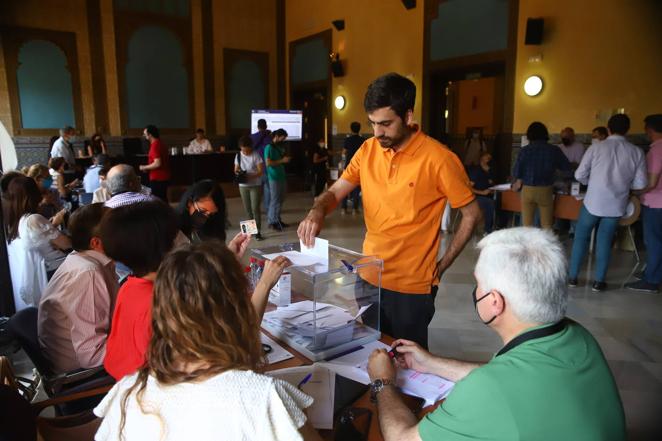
[
  {"x": 91, "y": 180},
  {"x": 249, "y": 164},
  {"x": 235, "y": 405},
  {"x": 199, "y": 147},
  {"x": 61, "y": 149},
  {"x": 31, "y": 254},
  {"x": 574, "y": 152},
  {"x": 611, "y": 169}
]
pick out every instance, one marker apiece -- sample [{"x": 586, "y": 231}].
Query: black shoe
[
  {"x": 642, "y": 286},
  {"x": 283, "y": 224},
  {"x": 572, "y": 283},
  {"x": 258, "y": 237},
  {"x": 599, "y": 286},
  {"x": 276, "y": 226}
]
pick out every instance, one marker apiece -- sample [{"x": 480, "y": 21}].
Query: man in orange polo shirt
[{"x": 406, "y": 178}]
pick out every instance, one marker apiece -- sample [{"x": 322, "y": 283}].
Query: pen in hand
[{"x": 305, "y": 380}]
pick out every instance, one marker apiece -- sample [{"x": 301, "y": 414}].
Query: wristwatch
[{"x": 377, "y": 386}]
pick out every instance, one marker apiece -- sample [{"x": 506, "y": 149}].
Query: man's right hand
[
  {"x": 311, "y": 226},
  {"x": 413, "y": 356},
  {"x": 285, "y": 159}
]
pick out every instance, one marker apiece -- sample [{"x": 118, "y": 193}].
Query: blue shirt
[
  {"x": 91, "y": 179},
  {"x": 482, "y": 179},
  {"x": 537, "y": 162}
]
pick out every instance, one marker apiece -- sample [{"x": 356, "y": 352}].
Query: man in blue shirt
[{"x": 534, "y": 175}]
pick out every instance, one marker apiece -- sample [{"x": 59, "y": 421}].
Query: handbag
[{"x": 240, "y": 177}]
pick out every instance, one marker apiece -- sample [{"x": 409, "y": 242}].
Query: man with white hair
[{"x": 549, "y": 381}]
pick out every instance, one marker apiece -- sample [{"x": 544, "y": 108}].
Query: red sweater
[{"x": 130, "y": 329}]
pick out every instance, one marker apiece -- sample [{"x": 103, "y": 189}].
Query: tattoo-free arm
[
  {"x": 396, "y": 420},
  {"x": 471, "y": 215}
]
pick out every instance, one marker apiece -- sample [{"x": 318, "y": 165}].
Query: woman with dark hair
[
  {"x": 201, "y": 380},
  {"x": 50, "y": 206},
  {"x": 96, "y": 146},
  {"x": 57, "y": 166},
  {"x": 202, "y": 212},
  {"x": 35, "y": 247}
]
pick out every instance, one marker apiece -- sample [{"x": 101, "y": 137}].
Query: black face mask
[
  {"x": 198, "y": 220},
  {"x": 473, "y": 295},
  {"x": 566, "y": 141}
]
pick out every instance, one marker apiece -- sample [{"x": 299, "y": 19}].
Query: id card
[{"x": 248, "y": 226}]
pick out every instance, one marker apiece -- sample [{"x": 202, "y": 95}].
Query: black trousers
[
  {"x": 160, "y": 189},
  {"x": 403, "y": 315}
]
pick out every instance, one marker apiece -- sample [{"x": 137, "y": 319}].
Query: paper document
[
  {"x": 354, "y": 365},
  {"x": 319, "y": 249},
  {"x": 278, "y": 353},
  {"x": 297, "y": 258},
  {"x": 500, "y": 187},
  {"x": 300, "y": 316},
  {"x": 321, "y": 386}
]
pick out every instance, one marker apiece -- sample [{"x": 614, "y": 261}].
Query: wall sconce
[
  {"x": 533, "y": 85},
  {"x": 339, "y": 102}
]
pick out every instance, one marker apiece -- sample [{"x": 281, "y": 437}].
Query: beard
[{"x": 391, "y": 142}]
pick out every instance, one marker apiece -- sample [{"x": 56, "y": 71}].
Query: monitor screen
[{"x": 290, "y": 120}]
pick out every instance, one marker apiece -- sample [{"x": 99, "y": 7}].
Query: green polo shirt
[
  {"x": 557, "y": 387},
  {"x": 274, "y": 172}
]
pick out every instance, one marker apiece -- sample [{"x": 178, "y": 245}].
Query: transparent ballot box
[{"x": 323, "y": 305}]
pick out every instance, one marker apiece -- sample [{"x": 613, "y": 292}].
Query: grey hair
[
  {"x": 529, "y": 268},
  {"x": 66, "y": 129},
  {"x": 122, "y": 178}
]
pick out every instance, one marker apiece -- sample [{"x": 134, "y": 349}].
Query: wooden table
[
  {"x": 565, "y": 206},
  {"x": 374, "y": 433}
]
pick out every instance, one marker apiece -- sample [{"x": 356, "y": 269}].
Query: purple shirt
[
  {"x": 260, "y": 141},
  {"x": 653, "y": 198}
]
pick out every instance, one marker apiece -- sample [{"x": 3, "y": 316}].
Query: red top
[
  {"x": 158, "y": 150},
  {"x": 130, "y": 329}
]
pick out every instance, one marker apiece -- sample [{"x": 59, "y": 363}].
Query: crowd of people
[{"x": 158, "y": 297}]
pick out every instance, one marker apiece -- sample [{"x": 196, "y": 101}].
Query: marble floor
[{"x": 628, "y": 325}]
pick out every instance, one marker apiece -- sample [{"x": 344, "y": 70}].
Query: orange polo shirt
[{"x": 404, "y": 195}]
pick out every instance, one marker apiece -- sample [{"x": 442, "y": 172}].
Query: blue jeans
[
  {"x": 486, "y": 204},
  {"x": 354, "y": 196},
  {"x": 266, "y": 196},
  {"x": 277, "y": 196},
  {"x": 652, "y": 222},
  {"x": 603, "y": 241}
]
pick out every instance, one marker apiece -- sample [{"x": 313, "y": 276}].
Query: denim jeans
[
  {"x": 354, "y": 196},
  {"x": 265, "y": 192},
  {"x": 486, "y": 204},
  {"x": 603, "y": 241},
  {"x": 277, "y": 196},
  {"x": 652, "y": 223}
]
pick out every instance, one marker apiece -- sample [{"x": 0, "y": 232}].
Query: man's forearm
[
  {"x": 326, "y": 202},
  {"x": 462, "y": 236},
  {"x": 395, "y": 419},
  {"x": 451, "y": 369}
]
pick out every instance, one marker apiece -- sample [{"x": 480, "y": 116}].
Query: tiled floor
[{"x": 627, "y": 325}]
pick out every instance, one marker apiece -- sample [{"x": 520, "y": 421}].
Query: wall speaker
[
  {"x": 409, "y": 4},
  {"x": 336, "y": 67},
  {"x": 338, "y": 24},
  {"x": 534, "y": 31}
]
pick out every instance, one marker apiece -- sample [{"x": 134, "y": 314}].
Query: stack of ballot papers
[
  {"x": 299, "y": 318},
  {"x": 321, "y": 386},
  {"x": 354, "y": 366}
]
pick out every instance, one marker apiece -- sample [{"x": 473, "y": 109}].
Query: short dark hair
[
  {"x": 601, "y": 130},
  {"x": 245, "y": 141},
  {"x": 619, "y": 124},
  {"x": 537, "y": 132},
  {"x": 104, "y": 170},
  {"x": 654, "y": 122},
  {"x": 261, "y": 123},
  {"x": 139, "y": 235},
  {"x": 200, "y": 131},
  {"x": 56, "y": 163},
  {"x": 279, "y": 133},
  {"x": 153, "y": 130},
  {"x": 84, "y": 225},
  {"x": 391, "y": 90},
  {"x": 101, "y": 159},
  {"x": 355, "y": 127},
  {"x": 215, "y": 226}
]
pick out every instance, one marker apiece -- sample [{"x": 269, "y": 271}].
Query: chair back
[{"x": 23, "y": 327}]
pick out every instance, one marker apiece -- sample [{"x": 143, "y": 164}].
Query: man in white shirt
[
  {"x": 77, "y": 305},
  {"x": 199, "y": 144},
  {"x": 62, "y": 146},
  {"x": 571, "y": 148},
  {"x": 611, "y": 169}
]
